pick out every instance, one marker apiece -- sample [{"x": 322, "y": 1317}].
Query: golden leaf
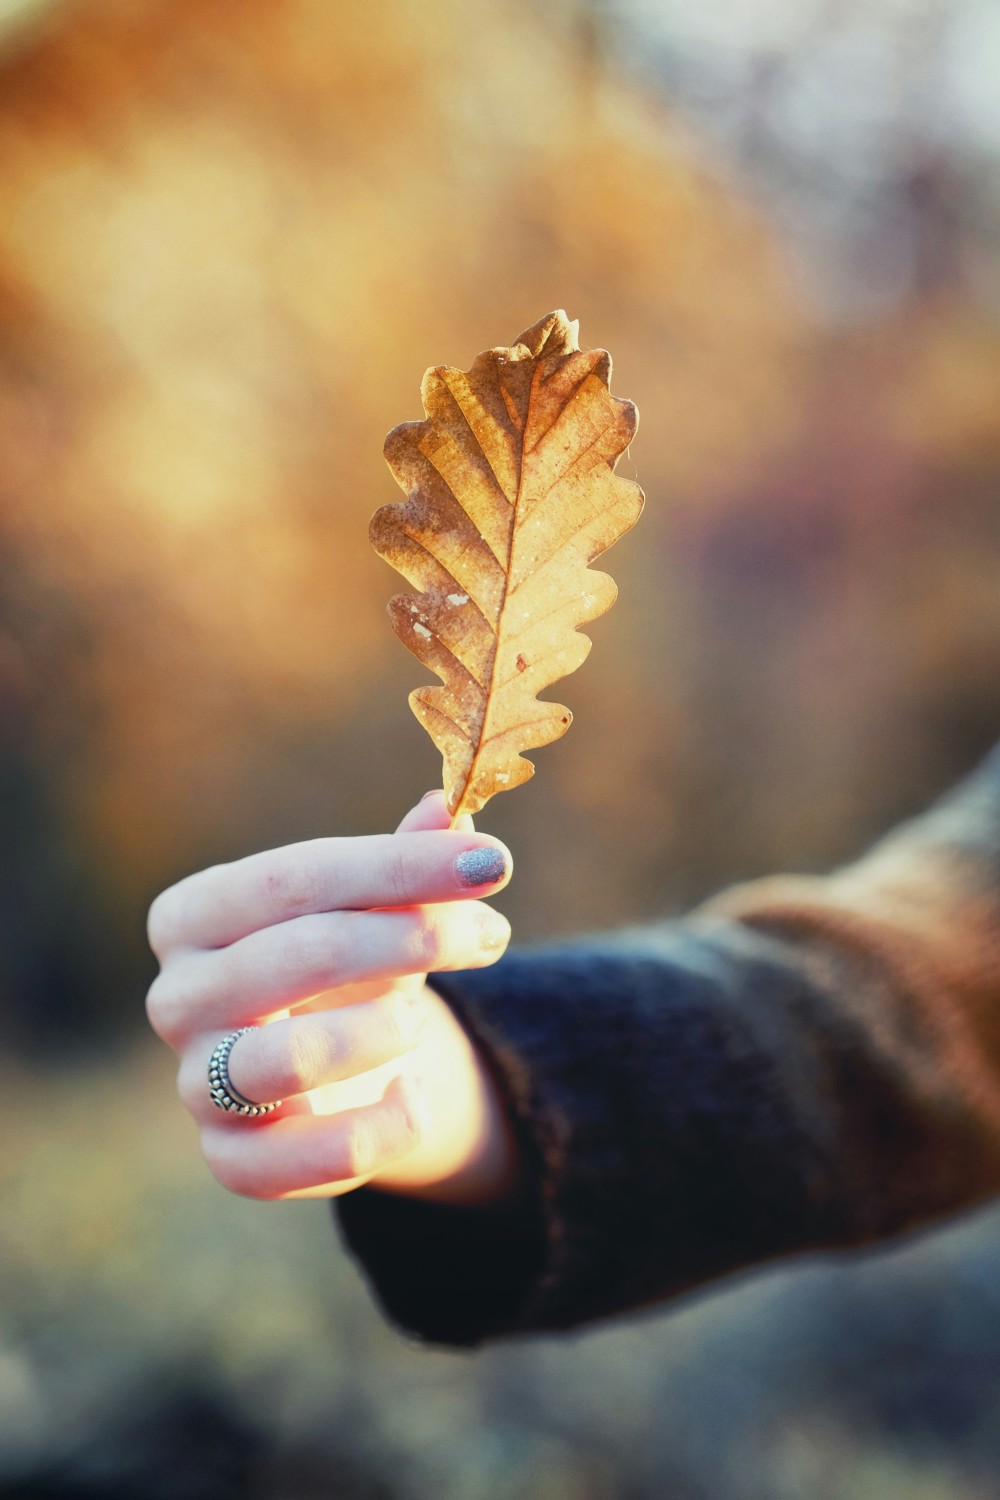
[{"x": 510, "y": 495}]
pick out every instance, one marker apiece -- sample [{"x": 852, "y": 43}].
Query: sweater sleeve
[{"x": 801, "y": 1064}]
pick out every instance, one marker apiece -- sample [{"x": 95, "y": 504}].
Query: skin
[{"x": 325, "y": 946}]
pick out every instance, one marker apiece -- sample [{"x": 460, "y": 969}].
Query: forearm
[
  {"x": 801, "y": 1065},
  {"x": 916, "y": 925}
]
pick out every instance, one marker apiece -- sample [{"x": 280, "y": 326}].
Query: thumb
[{"x": 431, "y": 813}]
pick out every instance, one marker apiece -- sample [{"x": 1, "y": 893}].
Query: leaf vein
[
  {"x": 478, "y": 442},
  {"x": 432, "y": 554}
]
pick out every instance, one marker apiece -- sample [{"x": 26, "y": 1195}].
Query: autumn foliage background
[{"x": 232, "y": 236}]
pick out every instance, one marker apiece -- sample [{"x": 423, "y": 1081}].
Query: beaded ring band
[{"x": 224, "y": 1095}]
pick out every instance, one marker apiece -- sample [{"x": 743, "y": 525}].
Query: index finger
[{"x": 227, "y": 902}]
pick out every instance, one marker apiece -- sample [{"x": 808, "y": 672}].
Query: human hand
[{"x": 325, "y": 946}]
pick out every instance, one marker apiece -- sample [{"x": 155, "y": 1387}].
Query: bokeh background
[{"x": 233, "y": 233}]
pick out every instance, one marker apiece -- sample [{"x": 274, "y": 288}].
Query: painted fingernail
[{"x": 483, "y": 866}]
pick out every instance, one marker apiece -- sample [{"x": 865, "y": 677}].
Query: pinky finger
[{"x": 316, "y": 1155}]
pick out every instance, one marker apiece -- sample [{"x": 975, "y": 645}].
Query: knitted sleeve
[{"x": 801, "y": 1064}]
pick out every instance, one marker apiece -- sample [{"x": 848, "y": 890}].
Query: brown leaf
[{"x": 510, "y": 495}]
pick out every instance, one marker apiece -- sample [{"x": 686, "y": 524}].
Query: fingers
[
  {"x": 365, "y": 918},
  {"x": 221, "y": 905},
  {"x": 432, "y": 812},
  {"x": 281, "y": 966},
  {"x": 302, "y": 1153},
  {"x": 287, "y": 1058}
]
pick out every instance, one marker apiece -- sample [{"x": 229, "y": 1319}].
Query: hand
[{"x": 325, "y": 946}]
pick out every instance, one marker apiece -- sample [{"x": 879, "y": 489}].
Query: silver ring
[{"x": 220, "y": 1087}]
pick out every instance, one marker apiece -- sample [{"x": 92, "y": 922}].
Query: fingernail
[
  {"x": 494, "y": 930},
  {"x": 435, "y": 791},
  {"x": 484, "y": 866}
]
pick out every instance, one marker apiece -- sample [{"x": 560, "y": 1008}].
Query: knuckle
[
  {"x": 378, "y": 1138},
  {"x": 161, "y": 923},
  {"x": 224, "y": 1167},
  {"x": 230, "y": 1169},
  {"x": 377, "y": 1035},
  {"x": 191, "y": 1088},
  {"x": 362, "y": 1149},
  {"x": 300, "y": 1060},
  {"x": 319, "y": 958},
  {"x": 430, "y": 942},
  {"x": 292, "y": 887},
  {"x": 240, "y": 968},
  {"x": 398, "y": 875},
  {"x": 163, "y": 1006}
]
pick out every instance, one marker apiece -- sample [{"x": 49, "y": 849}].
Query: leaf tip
[{"x": 553, "y": 334}]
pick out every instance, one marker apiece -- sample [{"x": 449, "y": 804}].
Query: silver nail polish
[{"x": 483, "y": 866}]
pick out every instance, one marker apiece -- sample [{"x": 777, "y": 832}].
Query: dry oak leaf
[{"x": 510, "y": 495}]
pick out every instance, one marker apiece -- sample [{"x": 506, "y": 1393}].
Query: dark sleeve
[{"x": 802, "y": 1064}]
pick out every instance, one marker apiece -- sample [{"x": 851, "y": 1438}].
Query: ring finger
[{"x": 287, "y": 1058}]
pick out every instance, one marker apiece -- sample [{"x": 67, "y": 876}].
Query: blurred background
[{"x": 233, "y": 233}]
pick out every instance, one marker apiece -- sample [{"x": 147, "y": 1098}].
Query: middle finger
[{"x": 284, "y": 965}]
